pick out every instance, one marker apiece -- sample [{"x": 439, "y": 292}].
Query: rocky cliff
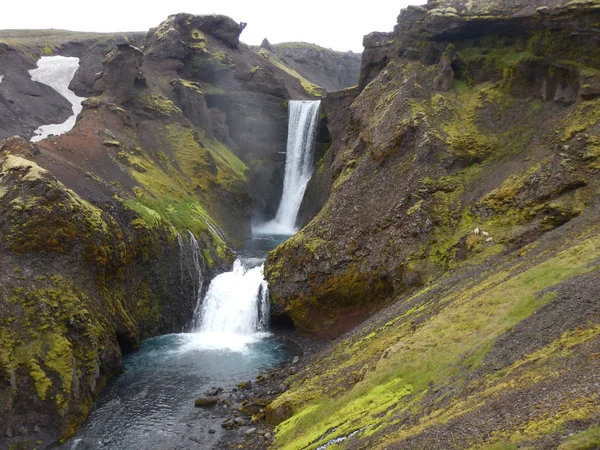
[
  {"x": 459, "y": 199},
  {"x": 178, "y": 134},
  {"x": 324, "y": 67}
]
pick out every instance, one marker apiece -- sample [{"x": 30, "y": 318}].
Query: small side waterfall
[
  {"x": 192, "y": 269},
  {"x": 57, "y": 72},
  {"x": 302, "y": 132}
]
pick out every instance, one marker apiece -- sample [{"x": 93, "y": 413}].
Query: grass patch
[{"x": 586, "y": 440}]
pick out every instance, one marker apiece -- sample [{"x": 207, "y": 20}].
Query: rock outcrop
[
  {"x": 463, "y": 206},
  {"x": 327, "y": 68}
]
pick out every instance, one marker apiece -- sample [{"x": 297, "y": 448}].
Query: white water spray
[
  {"x": 234, "y": 312},
  {"x": 302, "y": 132},
  {"x": 57, "y": 72}
]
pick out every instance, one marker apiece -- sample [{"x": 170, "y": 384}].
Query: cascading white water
[
  {"x": 302, "y": 132},
  {"x": 57, "y": 72},
  {"x": 233, "y": 302},
  {"x": 234, "y": 311}
]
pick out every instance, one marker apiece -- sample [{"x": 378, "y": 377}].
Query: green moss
[
  {"x": 41, "y": 381},
  {"x": 449, "y": 343},
  {"x": 160, "y": 104},
  {"x": 192, "y": 85},
  {"x": 585, "y": 440},
  {"x": 198, "y": 40}
]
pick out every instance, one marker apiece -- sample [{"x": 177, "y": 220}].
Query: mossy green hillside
[
  {"x": 184, "y": 184},
  {"x": 83, "y": 282},
  {"x": 391, "y": 370}
]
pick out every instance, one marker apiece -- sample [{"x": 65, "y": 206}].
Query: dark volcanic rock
[
  {"x": 121, "y": 74},
  {"x": 205, "y": 402},
  {"x": 92, "y": 53}
]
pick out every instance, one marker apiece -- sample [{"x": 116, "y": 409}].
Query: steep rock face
[
  {"x": 438, "y": 142},
  {"x": 464, "y": 194},
  {"x": 81, "y": 282},
  {"x": 324, "y": 67}
]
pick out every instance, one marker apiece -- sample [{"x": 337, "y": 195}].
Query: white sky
[{"x": 337, "y": 24}]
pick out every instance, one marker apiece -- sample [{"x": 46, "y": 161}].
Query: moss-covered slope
[
  {"x": 463, "y": 205},
  {"x": 324, "y": 67}
]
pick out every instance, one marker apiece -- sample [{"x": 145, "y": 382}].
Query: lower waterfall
[{"x": 234, "y": 311}]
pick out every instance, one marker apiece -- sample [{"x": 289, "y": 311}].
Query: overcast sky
[{"x": 336, "y": 24}]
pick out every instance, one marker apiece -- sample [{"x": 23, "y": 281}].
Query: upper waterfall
[{"x": 302, "y": 131}]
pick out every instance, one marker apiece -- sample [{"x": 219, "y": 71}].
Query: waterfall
[
  {"x": 302, "y": 132},
  {"x": 234, "y": 311},
  {"x": 192, "y": 268},
  {"x": 235, "y": 302},
  {"x": 57, "y": 72}
]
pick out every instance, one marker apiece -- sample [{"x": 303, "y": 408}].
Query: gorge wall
[
  {"x": 180, "y": 132},
  {"x": 457, "y": 222}
]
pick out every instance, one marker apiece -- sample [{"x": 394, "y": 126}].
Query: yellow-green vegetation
[
  {"x": 397, "y": 364},
  {"x": 160, "y": 103},
  {"x": 309, "y": 88},
  {"x": 181, "y": 188},
  {"x": 198, "y": 40},
  {"x": 586, "y": 440}
]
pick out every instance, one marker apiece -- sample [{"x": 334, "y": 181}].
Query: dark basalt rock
[
  {"x": 267, "y": 45},
  {"x": 121, "y": 74}
]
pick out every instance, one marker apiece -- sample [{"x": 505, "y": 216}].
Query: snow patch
[{"x": 57, "y": 72}]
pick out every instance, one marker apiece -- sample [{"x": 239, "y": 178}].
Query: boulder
[{"x": 205, "y": 402}]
